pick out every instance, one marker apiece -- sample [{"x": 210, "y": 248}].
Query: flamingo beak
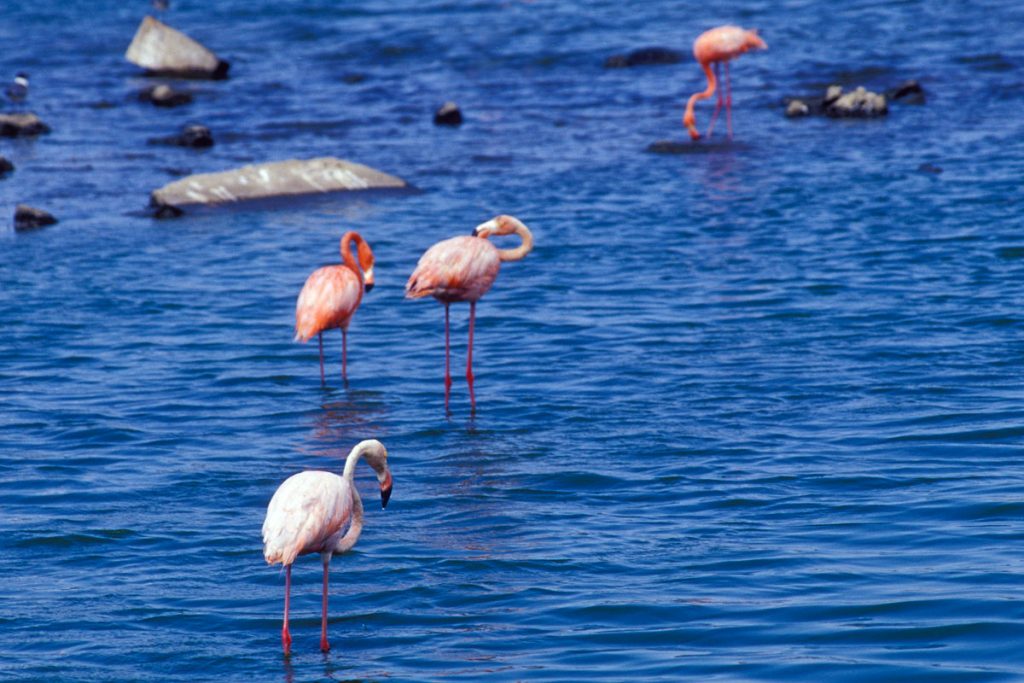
[
  {"x": 385, "y": 490},
  {"x": 368, "y": 279},
  {"x": 485, "y": 229}
]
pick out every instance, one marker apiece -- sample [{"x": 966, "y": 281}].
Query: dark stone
[
  {"x": 929, "y": 168},
  {"x": 164, "y": 95},
  {"x": 21, "y": 125},
  {"x": 29, "y": 218},
  {"x": 860, "y": 103},
  {"x": 910, "y": 92},
  {"x": 448, "y": 115},
  {"x": 5, "y": 166},
  {"x": 167, "y": 211},
  {"x": 194, "y": 136},
  {"x": 645, "y": 56}
]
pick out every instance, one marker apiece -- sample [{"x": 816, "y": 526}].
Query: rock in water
[
  {"x": 646, "y": 56},
  {"x": 21, "y": 125},
  {"x": 859, "y": 103},
  {"x": 275, "y": 179},
  {"x": 448, "y": 115},
  {"x": 910, "y": 92},
  {"x": 29, "y": 218},
  {"x": 797, "y": 108},
  {"x": 5, "y": 166},
  {"x": 164, "y": 95},
  {"x": 194, "y": 136},
  {"x": 162, "y": 50}
]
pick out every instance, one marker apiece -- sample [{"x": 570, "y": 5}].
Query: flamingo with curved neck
[
  {"x": 719, "y": 46},
  {"x": 331, "y": 296},
  {"x": 308, "y": 513},
  {"x": 463, "y": 269}
]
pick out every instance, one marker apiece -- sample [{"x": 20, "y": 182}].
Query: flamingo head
[
  {"x": 753, "y": 41},
  {"x": 376, "y": 456},
  {"x": 499, "y": 225},
  {"x": 366, "y": 264}
]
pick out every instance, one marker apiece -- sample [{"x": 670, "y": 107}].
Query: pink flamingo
[
  {"x": 331, "y": 296},
  {"x": 463, "y": 269},
  {"x": 307, "y": 514},
  {"x": 719, "y": 45}
]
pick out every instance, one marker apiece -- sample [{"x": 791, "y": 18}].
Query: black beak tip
[
  {"x": 369, "y": 286},
  {"x": 385, "y": 496},
  {"x": 475, "y": 233}
]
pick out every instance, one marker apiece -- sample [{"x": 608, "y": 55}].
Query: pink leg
[
  {"x": 728, "y": 101},
  {"x": 324, "y": 645},
  {"x": 286, "y": 637},
  {"x": 344, "y": 355},
  {"x": 718, "y": 103},
  {"x": 469, "y": 356},
  {"x": 447, "y": 362},
  {"x": 323, "y": 382}
]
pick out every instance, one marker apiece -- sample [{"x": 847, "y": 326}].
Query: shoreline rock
[
  {"x": 276, "y": 179},
  {"x": 21, "y": 125},
  {"x": 195, "y": 136},
  {"x": 30, "y": 218},
  {"x": 165, "y": 51}
]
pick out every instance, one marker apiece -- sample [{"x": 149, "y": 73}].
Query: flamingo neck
[
  {"x": 688, "y": 117},
  {"x": 523, "y": 249},
  {"x": 355, "y": 527},
  {"x": 346, "y": 252}
]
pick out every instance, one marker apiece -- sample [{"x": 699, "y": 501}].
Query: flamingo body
[
  {"x": 719, "y": 46},
  {"x": 306, "y": 515},
  {"x": 457, "y": 269},
  {"x": 328, "y": 300}
]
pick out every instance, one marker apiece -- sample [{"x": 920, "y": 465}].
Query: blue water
[{"x": 753, "y": 413}]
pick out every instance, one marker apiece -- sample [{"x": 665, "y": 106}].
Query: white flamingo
[{"x": 308, "y": 514}]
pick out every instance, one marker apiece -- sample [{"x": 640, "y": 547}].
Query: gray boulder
[
  {"x": 162, "y": 50},
  {"x": 194, "y": 136},
  {"x": 29, "y": 218},
  {"x": 860, "y": 103},
  {"x": 21, "y": 125},
  {"x": 275, "y": 179},
  {"x": 797, "y": 108},
  {"x": 5, "y": 166},
  {"x": 448, "y": 114},
  {"x": 163, "y": 95}
]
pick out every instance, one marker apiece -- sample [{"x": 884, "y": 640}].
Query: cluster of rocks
[{"x": 858, "y": 103}]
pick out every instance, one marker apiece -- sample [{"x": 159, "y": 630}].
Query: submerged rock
[
  {"x": 646, "y": 56},
  {"x": 21, "y": 125},
  {"x": 195, "y": 136},
  {"x": 275, "y": 179},
  {"x": 910, "y": 92},
  {"x": 860, "y": 103},
  {"x": 162, "y": 50},
  {"x": 797, "y": 108},
  {"x": 929, "y": 168},
  {"x": 448, "y": 115},
  {"x": 30, "y": 218},
  {"x": 5, "y": 166},
  {"x": 164, "y": 95}
]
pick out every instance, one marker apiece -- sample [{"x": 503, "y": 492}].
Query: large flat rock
[
  {"x": 162, "y": 50},
  {"x": 275, "y": 179}
]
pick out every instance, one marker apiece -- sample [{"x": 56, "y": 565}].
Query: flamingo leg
[
  {"x": 344, "y": 355},
  {"x": 469, "y": 356},
  {"x": 320, "y": 337},
  {"x": 718, "y": 101},
  {"x": 447, "y": 361},
  {"x": 324, "y": 645},
  {"x": 286, "y": 637},
  {"x": 728, "y": 101}
]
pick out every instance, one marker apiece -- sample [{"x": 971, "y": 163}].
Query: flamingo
[
  {"x": 331, "y": 296},
  {"x": 719, "y": 45},
  {"x": 463, "y": 269},
  {"x": 307, "y": 514}
]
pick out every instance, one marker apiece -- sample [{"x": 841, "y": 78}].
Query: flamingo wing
[
  {"x": 457, "y": 269},
  {"x": 329, "y": 298},
  {"x": 305, "y": 511}
]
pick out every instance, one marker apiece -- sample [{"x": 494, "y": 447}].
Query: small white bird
[
  {"x": 308, "y": 514},
  {"x": 18, "y": 90}
]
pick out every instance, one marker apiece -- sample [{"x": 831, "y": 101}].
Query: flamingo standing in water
[
  {"x": 307, "y": 515},
  {"x": 331, "y": 296},
  {"x": 717, "y": 46},
  {"x": 463, "y": 269}
]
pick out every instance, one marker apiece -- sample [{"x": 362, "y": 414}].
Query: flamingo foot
[
  {"x": 324, "y": 645},
  {"x": 286, "y": 640}
]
